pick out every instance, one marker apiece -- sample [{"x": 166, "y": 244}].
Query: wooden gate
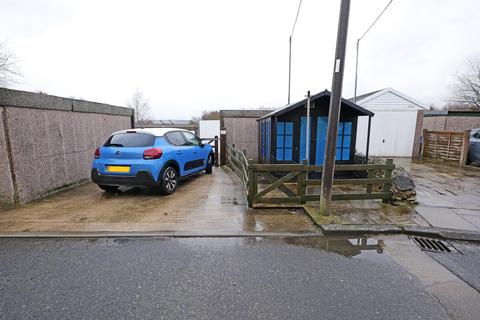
[{"x": 446, "y": 145}]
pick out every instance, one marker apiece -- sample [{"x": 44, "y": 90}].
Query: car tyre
[
  {"x": 169, "y": 180},
  {"x": 108, "y": 188},
  {"x": 209, "y": 167}
]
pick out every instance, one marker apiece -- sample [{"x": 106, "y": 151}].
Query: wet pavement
[
  {"x": 231, "y": 278},
  {"x": 204, "y": 203},
  {"x": 448, "y": 195}
]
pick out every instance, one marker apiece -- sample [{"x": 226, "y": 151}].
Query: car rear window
[{"x": 130, "y": 140}]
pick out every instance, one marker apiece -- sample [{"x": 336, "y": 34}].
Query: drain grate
[{"x": 434, "y": 245}]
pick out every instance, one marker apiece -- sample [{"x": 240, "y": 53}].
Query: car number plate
[{"x": 118, "y": 169}]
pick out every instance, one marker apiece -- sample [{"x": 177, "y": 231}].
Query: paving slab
[{"x": 445, "y": 218}]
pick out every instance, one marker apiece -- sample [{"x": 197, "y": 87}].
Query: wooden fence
[
  {"x": 290, "y": 183},
  {"x": 446, "y": 145},
  {"x": 239, "y": 163}
]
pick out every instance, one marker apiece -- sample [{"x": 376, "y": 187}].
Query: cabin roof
[{"x": 345, "y": 103}]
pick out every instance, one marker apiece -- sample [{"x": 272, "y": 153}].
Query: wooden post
[
  {"x": 448, "y": 145},
  {"x": 370, "y": 176},
  {"x": 223, "y": 146},
  {"x": 424, "y": 141},
  {"x": 301, "y": 182},
  {"x": 465, "y": 147},
  {"x": 252, "y": 184},
  {"x": 388, "y": 174},
  {"x": 215, "y": 146},
  {"x": 367, "y": 152}
]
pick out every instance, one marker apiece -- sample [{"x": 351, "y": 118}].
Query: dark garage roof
[{"x": 361, "y": 111}]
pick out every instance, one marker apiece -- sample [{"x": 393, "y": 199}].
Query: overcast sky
[{"x": 188, "y": 56}]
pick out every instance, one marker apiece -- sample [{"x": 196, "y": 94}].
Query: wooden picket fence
[
  {"x": 446, "y": 145},
  {"x": 280, "y": 184}
]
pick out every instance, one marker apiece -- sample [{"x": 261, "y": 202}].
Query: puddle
[
  {"x": 351, "y": 247},
  {"x": 347, "y": 246}
]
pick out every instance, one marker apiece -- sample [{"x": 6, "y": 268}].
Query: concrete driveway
[{"x": 202, "y": 204}]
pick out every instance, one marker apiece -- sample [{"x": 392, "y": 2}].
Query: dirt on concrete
[{"x": 203, "y": 203}]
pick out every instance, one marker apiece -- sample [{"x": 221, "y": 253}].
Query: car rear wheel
[
  {"x": 169, "y": 181},
  {"x": 108, "y": 188},
  {"x": 209, "y": 167}
]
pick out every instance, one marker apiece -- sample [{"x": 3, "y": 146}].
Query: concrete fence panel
[
  {"x": 45, "y": 147},
  {"x": 6, "y": 184}
]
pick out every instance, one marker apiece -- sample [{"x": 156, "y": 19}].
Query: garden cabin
[{"x": 282, "y": 133}]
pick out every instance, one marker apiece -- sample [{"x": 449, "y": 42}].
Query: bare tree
[
  {"x": 466, "y": 89},
  {"x": 9, "y": 72},
  {"x": 210, "y": 115},
  {"x": 141, "y": 107}
]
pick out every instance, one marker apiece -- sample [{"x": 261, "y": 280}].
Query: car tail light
[
  {"x": 153, "y": 153},
  {"x": 97, "y": 153}
]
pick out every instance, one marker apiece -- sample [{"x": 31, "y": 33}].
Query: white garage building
[{"x": 392, "y": 129}]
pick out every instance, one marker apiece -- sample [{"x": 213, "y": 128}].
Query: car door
[
  {"x": 182, "y": 151},
  {"x": 198, "y": 159}
]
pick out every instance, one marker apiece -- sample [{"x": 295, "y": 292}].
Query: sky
[{"x": 187, "y": 56}]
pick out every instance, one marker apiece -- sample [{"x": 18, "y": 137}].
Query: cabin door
[
  {"x": 322, "y": 123},
  {"x": 344, "y": 135}
]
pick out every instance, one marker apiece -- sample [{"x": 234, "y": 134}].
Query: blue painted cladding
[{"x": 322, "y": 123}]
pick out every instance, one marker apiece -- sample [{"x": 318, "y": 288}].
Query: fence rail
[
  {"x": 239, "y": 163},
  {"x": 290, "y": 183}
]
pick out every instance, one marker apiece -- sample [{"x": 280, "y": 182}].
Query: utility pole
[
  {"x": 334, "y": 110},
  {"x": 356, "y": 71},
  {"x": 290, "y": 50},
  {"x": 289, "y": 66},
  {"x": 358, "y": 47}
]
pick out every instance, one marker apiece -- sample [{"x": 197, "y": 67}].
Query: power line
[
  {"x": 381, "y": 13},
  {"x": 296, "y": 18}
]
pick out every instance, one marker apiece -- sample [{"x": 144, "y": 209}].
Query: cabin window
[
  {"x": 284, "y": 141},
  {"x": 344, "y": 138}
]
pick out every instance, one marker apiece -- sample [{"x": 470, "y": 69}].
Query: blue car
[
  {"x": 474, "y": 151},
  {"x": 156, "y": 157}
]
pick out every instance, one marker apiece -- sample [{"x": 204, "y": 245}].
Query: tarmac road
[{"x": 227, "y": 278}]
